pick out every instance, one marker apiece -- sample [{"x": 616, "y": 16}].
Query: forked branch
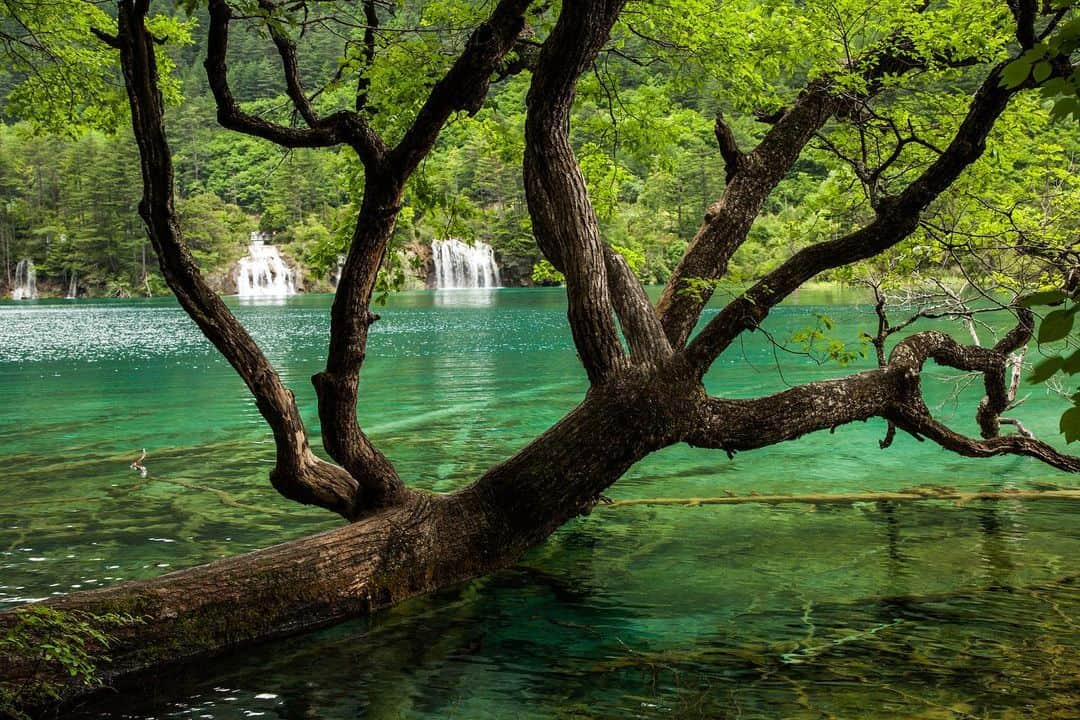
[
  {"x": 896, "y": 218},
  {"x": 564, "y": 221},
  {"x": 298, "y": 474},
  {"x": 752, "y": 176},
  {"x": 340, "y": 128},
  {"x": 892, "y": 392},
  {"x": 462, "y": 88}
]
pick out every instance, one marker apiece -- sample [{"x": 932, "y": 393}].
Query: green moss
[{"x": 55, "y": 650}]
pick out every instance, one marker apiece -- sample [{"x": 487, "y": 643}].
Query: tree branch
[
  {"x": 298, "y": 474},
  {"x": 896, "y": 218},
  {"x": 363, "y": 83},
  {"x": 911, "y": 414},
  {"x": 914, "y": 495},
  {"x": 337, "y": 387},
  {"x": 336, "y": 129},
  {"x": 727, "y": 222},
  {"x": 464, "y": 86},
  {"x": 640, "y": 323},
  {"x": 1024, "y": 12},
  {"x": 294, "y": 85},
  {"x": 892, "y": 392},
  {"x": 564, "y": 221},
  {"x": 729, "y": 147}
]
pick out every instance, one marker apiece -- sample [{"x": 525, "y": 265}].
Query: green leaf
[
  {"x": 1042, "y": 71},
  {"x": 1063, "y": 107},
  {"x": 1044, "y": 370},
  {"x": 1071, "y": 366},
  {"x": 1053, "y": 87},
  {"x": 1056, "y": 326},
  {"x": 1070, "y": 424},
  {"x": 1016, "y": 73},
  {"x": 1038, "y": 52},
  {"x": 1047, "y": 297}
]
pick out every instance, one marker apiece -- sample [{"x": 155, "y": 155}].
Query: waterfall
[
  {"x": 263, "y": 273},
  {"x": 25, "y": 281},
  {"x": 458, "y": 265},
  {"x": 335, "y": 274},
  {"x": 73, "y": 288}
]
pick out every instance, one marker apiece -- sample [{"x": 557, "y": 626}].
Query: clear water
[{"x": 925, "y": 610}]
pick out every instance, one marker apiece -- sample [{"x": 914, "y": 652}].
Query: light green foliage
[
  {"x": 544, "y": 273},
  {"x": 697, "y": 288},
  {"x": 642, "y": 128},
  {"x": 63, "y": 644},
  {"x": 1058, "y": 343},
  {"x": 819, "y": 342},
  {"x": 1037, "y": 64},
  {"x": 215, "y": 231},
  {"x": 63, "y": 78},
  {"x": 605, "y": 178}
]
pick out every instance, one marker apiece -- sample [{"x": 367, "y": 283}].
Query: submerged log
[
  {"x": 300, "y": 585},
  {"x": 915, "y": 495}
]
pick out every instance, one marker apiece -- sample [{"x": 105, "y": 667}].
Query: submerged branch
[{"x": 957, "y": 496}]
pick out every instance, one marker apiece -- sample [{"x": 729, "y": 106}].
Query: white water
[
  {"x": 25, "y": 281},
  {"x": 458, "y": 265},
  {"x": 335, "y": 274},
  {"x": 73, "y": 288},
  {"x": 263, "y": 273}
]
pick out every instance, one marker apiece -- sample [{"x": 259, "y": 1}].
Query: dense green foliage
[
  {"x": 64, "y": 644},
  {"x": 643, "y": 129}
]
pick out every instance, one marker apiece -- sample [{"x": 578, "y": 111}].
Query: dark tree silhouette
[{"x": 646, "y": 393}]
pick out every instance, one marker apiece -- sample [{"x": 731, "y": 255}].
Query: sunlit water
[{"x": 923, "y": 610}]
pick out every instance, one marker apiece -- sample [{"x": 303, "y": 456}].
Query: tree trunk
[{"x": 426, "y": 543}]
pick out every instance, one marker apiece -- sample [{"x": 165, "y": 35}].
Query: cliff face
[
  {"x": 420, "y": 258},
  {"x": 516, "y": 270}
]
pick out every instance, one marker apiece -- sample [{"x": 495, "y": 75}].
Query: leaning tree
[{"x": 645, "y": 363}]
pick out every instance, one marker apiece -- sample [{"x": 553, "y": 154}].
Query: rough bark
[
  {"x": 564, "y": 221},
  {"x": 752, "y": 176},
  {"x": 298, "y": 474},
  {"x": 892, "y": 392},
  {"x": 463, "y": 88}
]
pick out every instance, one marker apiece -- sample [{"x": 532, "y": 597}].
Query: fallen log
[{"x": 956, "y": 496}]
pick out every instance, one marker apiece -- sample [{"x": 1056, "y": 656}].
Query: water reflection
[
  {"x": 532, "y": 644},
  {"x": 465, "y": 297},
  {"x": 264, "y": 300},
  {"x": 897, "y": 560}
]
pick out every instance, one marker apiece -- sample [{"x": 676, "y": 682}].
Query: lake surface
[{"x": 923, "y": 610}]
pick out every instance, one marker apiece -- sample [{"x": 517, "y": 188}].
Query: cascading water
[
  {"x": 335, "y": 274},
  {"x": 458, "y": 265},
  {"x": 263, "y": 273},
  {"x": 25, "y": 281},
  {"x": 73, "y": 288}
]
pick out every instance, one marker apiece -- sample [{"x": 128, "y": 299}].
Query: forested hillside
[{"x": 643, "y": 126}]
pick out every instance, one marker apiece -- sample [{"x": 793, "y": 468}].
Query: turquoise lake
[{"x": 923, "y": 610}]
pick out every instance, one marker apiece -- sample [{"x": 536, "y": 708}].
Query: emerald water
[{"x": 924, "y": 610}]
